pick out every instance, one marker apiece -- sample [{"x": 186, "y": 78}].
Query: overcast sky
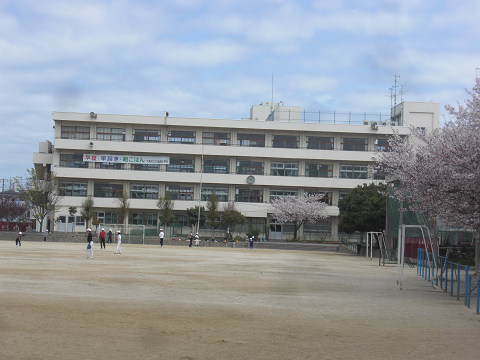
[{"x": 205, "y": 58}]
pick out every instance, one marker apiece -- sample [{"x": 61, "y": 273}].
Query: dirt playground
[{"x": 217, "y": 303}]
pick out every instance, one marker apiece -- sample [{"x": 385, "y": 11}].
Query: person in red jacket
[{"x": 102, "y": 238}]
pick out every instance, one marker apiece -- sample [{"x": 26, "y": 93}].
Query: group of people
[
  {"x": 101, "y": 239},
  {"x": 197, "y": 240}
]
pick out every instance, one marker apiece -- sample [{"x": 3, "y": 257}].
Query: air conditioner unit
[
  {"x": 374, "y": 125},
  {"x": 365, "y": 123},
  {"x": 393, "y": 123},
  {"x": 93, "y": 115},
  {"x": 384, "y": 123}
]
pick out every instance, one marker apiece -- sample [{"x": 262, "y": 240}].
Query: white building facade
[{"x": 278, "y": 151}]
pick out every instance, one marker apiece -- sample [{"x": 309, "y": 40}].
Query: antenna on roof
[
  {"x": 271, "y": 106},
  {"x": 394, "y": 92}
]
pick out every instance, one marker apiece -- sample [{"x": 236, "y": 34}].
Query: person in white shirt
[
  {"x": 119, "y": 241},
  {"x": 89, "y": 249},
  {"x": 197, "y": 240},
  {"x": 161, "y": 236}
]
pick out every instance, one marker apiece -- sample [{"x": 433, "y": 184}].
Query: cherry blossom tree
[
  {"x": 299, "y": 210},
  {"x": 438, "y": 174}
]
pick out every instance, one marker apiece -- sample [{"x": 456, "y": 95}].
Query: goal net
[{"x": 131, "y": 234}]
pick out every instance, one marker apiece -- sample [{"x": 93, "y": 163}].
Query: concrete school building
[{"x": 278, "y": 151}]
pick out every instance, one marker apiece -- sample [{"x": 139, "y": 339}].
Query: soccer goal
[{"x": 131, "y": 234}]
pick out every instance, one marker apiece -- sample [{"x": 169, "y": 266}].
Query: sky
[{"x": 215, "y": 59}]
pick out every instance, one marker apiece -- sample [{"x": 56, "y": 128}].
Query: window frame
[
  {"x": 78, "y": 132},
  {"x": 68, "y": 188},
  {"x": 216, "y": 138},
  {"x": 110, "y": 134},
  {"x": 250, "y": 167},
  {"x": 356, "y": 171},
  {"x": 179, "y": 192},
  {"x": 146, "y": 135},
  {"x": 144, "y": 191},
  {"x": 76, "y": 161},
  {"x": 321, "y": 170},
  {"x": 284, "y": 170},
  {"x": 354, "y": 144},
  {"x": 281, "y": 141},
  {"x": 181, "y": 137},
  {"x": 249, "y": 194},
  {"x": 320, "y": 142},
  {"x": 109, "y": 190},
  {"x": 251, "y": 140}
]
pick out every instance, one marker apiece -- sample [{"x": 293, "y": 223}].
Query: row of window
[
  {"x": 177, "y": 192},
  {"x": 222, "y": 166},
  {"x": 150, "y": 219},
  {"x": 220, "y": 138}
]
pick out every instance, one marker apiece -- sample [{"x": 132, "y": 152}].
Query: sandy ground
[{"x": 216, "y": 303}]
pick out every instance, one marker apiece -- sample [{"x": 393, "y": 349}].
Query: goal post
[{"x": 131, "y": 234}]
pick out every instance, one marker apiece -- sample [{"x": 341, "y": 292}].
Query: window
[
  {"x": 279, "y": 193},
  {"x": 251, "y": 140},
  {"x": 248, "y": 167},
  {"x": 72, "y": 189},
  {"x": 146, "y": 135},
  {"x": 143, "y": 218},
  {"x": 341, "y": 196},
  {"x": 106, "y": 190},
  {"x": 111, "y": 217},
  {"x": 75, "y": 132},
  {"x": 353, "y": 171},
  {"x": 181, "y": 220},
  {"x": 248, "y": 195},
  {"x": 283, "y": 169},
  {"x": 181, "y": 137},
  {"x": 354, "y": 144},
  {"x": 285, "y": 141},
  {"x": 143, "y": 191},
  {"x": 179, "y": 192},
  {"x": 181, "y": 165},
  {"x": 221, "y": 192},
  {"x": 215, "y": 138},
  {"x": 382, "y": 144},
  {"x": 319, "y": 170},
  {"x": 108, "y": 165},
  {"x": 110, "y": 134},
  {"x": 323, "y": 226},
  {"x": 326, "y": 195},
  {"x": 73, "y": 161},
  {"x": 216, "y": 166},
  {"x": 318, "y": 142},
  {"x": 146, "y": 167}
]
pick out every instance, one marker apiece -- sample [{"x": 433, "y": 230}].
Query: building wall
[{"x": 263, "y": 121}]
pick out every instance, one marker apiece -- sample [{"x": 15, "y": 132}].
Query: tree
[
  {"x": 439, "y": 175},
  {"x": 72, "y": 210},
  {"x": 165, "y": 204},
  {"x": 232, "y": 217},
  {"x": 123, "y": 206},
  {"x": 86, "y": 210},
  {"x": 39, "y": 194},
  {"x": 192, "y": 214},
  {"x": 11, "y": 208},
  {"x": 213, "y": 214},
  {"x": 299, "y": 210},
  {"x": 363, "y": 209}
]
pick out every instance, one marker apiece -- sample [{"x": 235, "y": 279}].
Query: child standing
[{"x": 119, "y": 241}]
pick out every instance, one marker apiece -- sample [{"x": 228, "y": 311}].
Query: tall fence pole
[
  {"x": 466, "y": 284},
  {"x": 458, "y": 282}
]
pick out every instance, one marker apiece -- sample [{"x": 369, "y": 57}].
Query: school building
[{"x": 277, "y": 151}]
